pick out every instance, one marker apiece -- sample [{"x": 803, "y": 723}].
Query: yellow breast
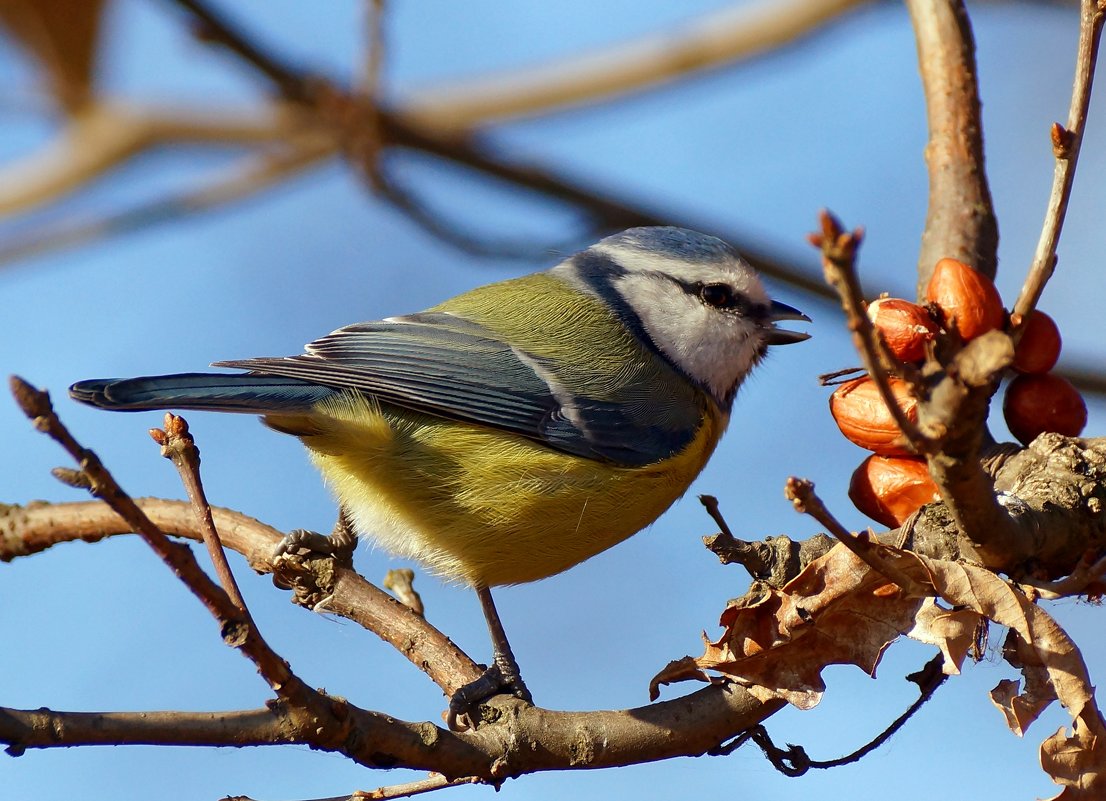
[{"x": 482, "y": 506}]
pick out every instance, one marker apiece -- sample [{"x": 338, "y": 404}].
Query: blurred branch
[
  {"x": 254, "y": 173},
  {"x": 373, "y": 121},
  {"x": 1088, "y": 379},
  {"x": 64, "y": 37},
  {"x": 104, "y": 135},
  {"x": 1066, "y": 143},
  {"x": 375, "y": 42},
  {"x": 609, "y": 212},
  {"x": 711, "y": 41},
  {"x": 960, "y": 222}
]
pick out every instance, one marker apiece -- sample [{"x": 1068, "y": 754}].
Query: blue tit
[{"x": 518, "y": 429}]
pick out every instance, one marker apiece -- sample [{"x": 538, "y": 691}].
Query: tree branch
[
  {"x": 1066, "y": 144},
  {"x": 531, "y": 739},
  {"x": 26, "y": 530},
  {"x": 714, "y": 40},
  {"x": 105, "y": 134},
  {"x": 960, "y": 223},
  {"x": 236, "y": 626}
]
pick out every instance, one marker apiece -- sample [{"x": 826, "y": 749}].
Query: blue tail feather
[{"x": 249, "y": 394}]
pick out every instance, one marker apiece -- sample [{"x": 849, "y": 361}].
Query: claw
[{"x": 493, "y": 681}]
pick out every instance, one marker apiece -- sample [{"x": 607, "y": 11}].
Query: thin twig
[
  {"x": 178, "y": 446},
  {"x": 1066, "y": 144},
  {"x": 435, "y": 781},
  {"x": 95, "y": 478},
  {"x": 801, "y": 493},
  {"x": 440, "y": 226},
  {"x": 794, "y": 761},
  {"x": 929, "y": 678},
  {"x": 373, "y": 65},
  {"x": 839, "y": 249},
  {"x": 238, "y": 631},
  {"x": 213, "y": 26}
]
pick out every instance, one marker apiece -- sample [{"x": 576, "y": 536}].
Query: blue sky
[{"x": 837, "y": 122}]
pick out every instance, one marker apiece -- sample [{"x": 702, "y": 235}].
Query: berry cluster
[{"x": 892, "y": 483}]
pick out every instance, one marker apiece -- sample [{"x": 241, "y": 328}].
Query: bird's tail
[{"x": 249, "y": 394}]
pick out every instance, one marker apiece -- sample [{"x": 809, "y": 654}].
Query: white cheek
[{"x": 714, "y": 348}]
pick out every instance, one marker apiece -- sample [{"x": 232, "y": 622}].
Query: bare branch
[
  {"x": 801, "y": 493},
  {"x": 1066, "y": 144},
  {"x": 38, "y": 526},
  {"x": 255, "y": 173},
  {"x": 687, "y": 726},
  {"x": 238, "y": 630},
  {"x": 960, "y": 223},
  {"x": 178, "y": 446},
  {"x": 106, "y": 134},
  {"x": 435, "y": 781},
  {"x": 714, "y": 40}
]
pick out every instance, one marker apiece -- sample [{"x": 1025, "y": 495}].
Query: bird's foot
[
  {"x": 300, "y": 542},
  {"x": 339, "y": 545},
  {"x": 501, "y": 678},
  {"x": 290, "y": 560}
]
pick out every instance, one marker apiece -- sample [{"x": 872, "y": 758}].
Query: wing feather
[{"x": 445, "y": 365}]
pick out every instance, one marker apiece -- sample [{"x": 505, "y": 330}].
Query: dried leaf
[
  {"x": 951, "y": 630},
  {"x": 683, "y": 669},
  {"x": 1077, "y": 762},
  {"x": 836, "y": 611},
  {"x": 1022, "y": 708},
  {"x": 63, "y": 36}
]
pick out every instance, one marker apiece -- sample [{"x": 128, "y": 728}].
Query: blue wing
[{"x": 448, "y": 366}]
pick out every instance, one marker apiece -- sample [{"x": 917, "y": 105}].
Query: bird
[{"x": 520, "y": 428}]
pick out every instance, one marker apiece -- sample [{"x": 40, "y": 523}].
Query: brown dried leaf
[
  {"x": 951, "y": 630},
  {"x": 1077, "y": 762},
  {"x": 1022, "y": 708},
  {"x": 63, "y": 36},
  {"x": 836, "y": 611},
  {"x": 682, "y": 669}
]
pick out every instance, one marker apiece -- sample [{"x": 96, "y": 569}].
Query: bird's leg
[
  {"x": 502, "y": 676},
  {"x": 340, "y": 544}
]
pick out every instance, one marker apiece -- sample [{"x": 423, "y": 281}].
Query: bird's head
[{"x": 692, "y": 297}]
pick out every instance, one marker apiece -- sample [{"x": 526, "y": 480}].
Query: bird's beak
[{"x": 781, "y": 336}]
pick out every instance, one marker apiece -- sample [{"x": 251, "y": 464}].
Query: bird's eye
[{"x": 720, "y": 296}]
